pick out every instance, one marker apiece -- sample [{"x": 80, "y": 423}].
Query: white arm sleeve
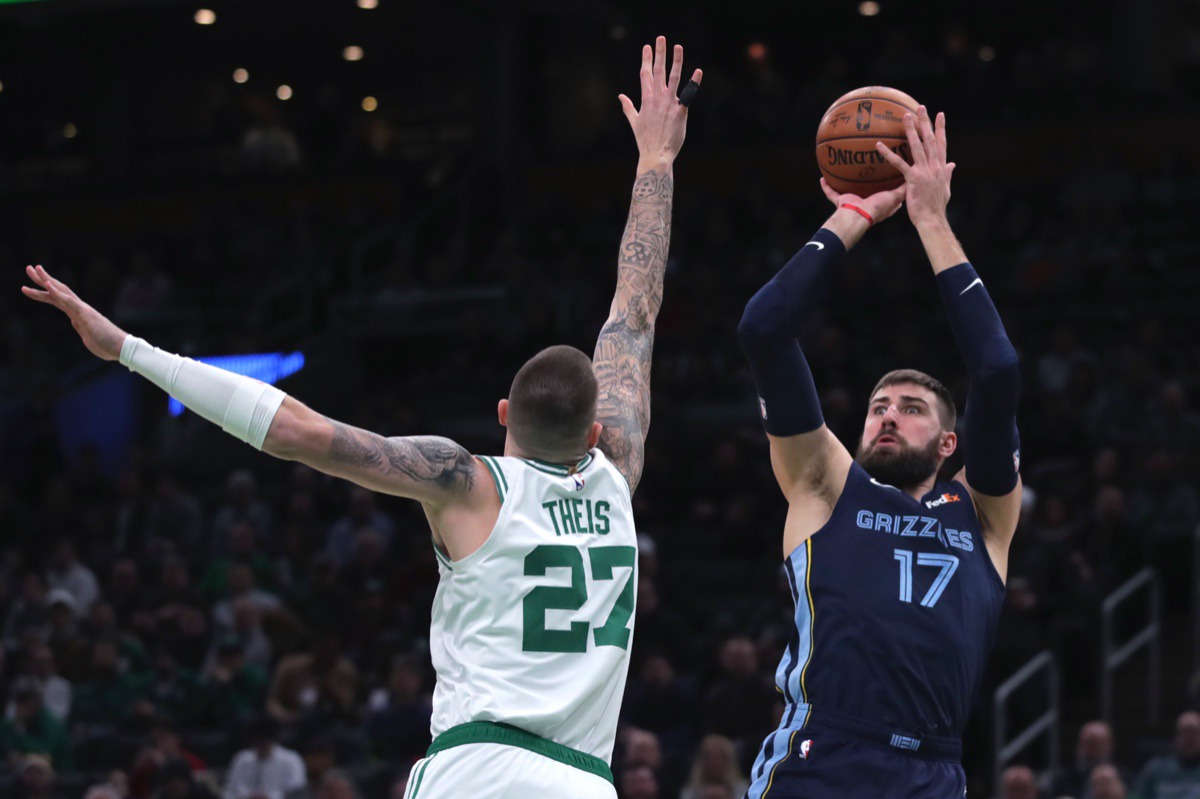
[{"x": 242, "y": 406}]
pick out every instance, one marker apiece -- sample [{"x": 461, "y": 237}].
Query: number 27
[{"x": 947, "y": 563}]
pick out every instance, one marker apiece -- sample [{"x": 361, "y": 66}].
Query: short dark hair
[
  {"x": 552, "y": 402},
  {"x": 947, "y": 413}
]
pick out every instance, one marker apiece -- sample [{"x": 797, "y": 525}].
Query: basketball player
[
  {"x": 536, "y": 549},
  {"x": 898, "y": 577}
]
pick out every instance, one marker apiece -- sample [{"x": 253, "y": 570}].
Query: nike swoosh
[
  {"x": 883, "y": 485},
  {"x": 976, "y": 282},
  {"x": 816, "y": 244}
]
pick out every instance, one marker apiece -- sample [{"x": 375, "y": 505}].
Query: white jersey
[{"x": 533, "y": 629}]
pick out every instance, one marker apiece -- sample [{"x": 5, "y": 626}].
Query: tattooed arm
[
  {"x": 626, "y": 342},
  {"x": 433, "y": 470}
]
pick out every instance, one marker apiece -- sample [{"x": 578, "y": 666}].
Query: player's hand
[
  {"x": 879, "y": 205},
  {"x": 661, "y": 123},
  {"x": 928, "y": 178},
  {"x": 102, "y": 338}
]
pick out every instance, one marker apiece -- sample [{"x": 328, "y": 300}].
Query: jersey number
[
  {"x": 947, "y": 563},
  {"x": 615, "y": 630}
]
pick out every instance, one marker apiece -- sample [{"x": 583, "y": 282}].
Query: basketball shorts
[{"x": 831, "y": 757}]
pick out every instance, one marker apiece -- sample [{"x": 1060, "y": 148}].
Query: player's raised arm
[
  {"x": 992, "y": 446},
  {"x": 433, "y": 470},
  {"x": 626, "y": 342},
  {"x": 809, "y": 462}
]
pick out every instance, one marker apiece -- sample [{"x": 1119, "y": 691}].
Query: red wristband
[{"x": 859, "y": 211}]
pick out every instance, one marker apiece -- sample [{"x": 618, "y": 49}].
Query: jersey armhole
[{"x": 497, "y": 473}]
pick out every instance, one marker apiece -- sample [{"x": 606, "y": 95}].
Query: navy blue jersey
[{"x": 896, "y": 606}]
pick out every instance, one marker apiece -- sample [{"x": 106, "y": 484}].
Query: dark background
[{"x": 419, "y": 253}]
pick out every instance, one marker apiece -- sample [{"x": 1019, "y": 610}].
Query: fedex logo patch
[{"x": 942, "y": 500}]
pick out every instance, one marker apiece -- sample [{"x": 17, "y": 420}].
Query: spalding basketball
[{"x": 846, "y": 140}]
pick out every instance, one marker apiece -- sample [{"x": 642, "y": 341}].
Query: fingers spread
[
  {"x": 676, "y": 69},
  {"x": 627, "y": 106},
  {"x": 647, "y": 69}
]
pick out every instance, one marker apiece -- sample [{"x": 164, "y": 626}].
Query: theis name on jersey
[
  {"x": 915, "y": 527},
  {"x": 578, "y": 516}
]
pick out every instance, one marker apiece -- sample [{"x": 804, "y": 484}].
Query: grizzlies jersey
[
  {"x": 897, "y": 602},
  {"x": 533, "y": 629}
]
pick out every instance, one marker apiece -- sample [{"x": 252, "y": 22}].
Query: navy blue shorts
[{"x": 832, "y": 757}]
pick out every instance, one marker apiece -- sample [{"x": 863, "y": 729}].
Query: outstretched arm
[
  {"x": 435, "y": 471},
  {"x": 810, "y": 464},
  {"x": 991, "y": 443},
  {"x": 626, "y": 342}
]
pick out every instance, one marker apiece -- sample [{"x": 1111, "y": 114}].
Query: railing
[
  {"x": 1047, "y": 723},
  {"x": 1196, "y": 603},
  {"x": 1115, "y": 655}
]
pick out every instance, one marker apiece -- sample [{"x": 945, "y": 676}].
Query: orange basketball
[{"x": 846, "y": 140}]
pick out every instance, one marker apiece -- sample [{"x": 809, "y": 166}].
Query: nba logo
[
  {"x": 863, "y": 120},
  {"x": 1017, "y": 461},
  {"x": 804, "y": 747},
  {"x": 762, "y": 407},
  {"x": 579, "y": 482}
]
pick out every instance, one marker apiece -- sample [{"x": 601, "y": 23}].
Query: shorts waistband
[
  {"x": 801, "y": 716},
  {"x": 494, "y": 732}
]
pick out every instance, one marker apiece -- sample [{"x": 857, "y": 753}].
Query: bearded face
[{"x": 898, "y": 463}]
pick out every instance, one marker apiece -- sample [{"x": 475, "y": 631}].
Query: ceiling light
[
  {"x": 868, "y": 8},
  {"x": 240, "y": 76},
  {"x": 205, "y": 16},
  {"x": 284, "y": 92}
]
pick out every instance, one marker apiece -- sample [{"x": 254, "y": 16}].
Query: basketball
[{"x": 847, "y": 134}]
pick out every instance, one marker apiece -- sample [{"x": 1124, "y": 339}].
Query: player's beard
[{"x": 902, "y": 467}]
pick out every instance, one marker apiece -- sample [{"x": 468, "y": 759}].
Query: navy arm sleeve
[
  {"x": 768, "y": 334},
  {"x": 992, "y": 447}
]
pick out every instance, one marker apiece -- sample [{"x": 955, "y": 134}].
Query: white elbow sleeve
[{"x": 242, "y": 406}]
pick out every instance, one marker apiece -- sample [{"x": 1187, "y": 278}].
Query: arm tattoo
[
  {"x": 421, "y": 459},
  {"x": 626, "y": 342}
]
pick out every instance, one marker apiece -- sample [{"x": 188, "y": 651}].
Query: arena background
[{"x": 419, "y": 221}]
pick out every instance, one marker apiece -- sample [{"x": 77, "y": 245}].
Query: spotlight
[
  {"x": 368, "y": 4},
  {"x": 284, "y": 92},
  {"x": 987, "y": 54},
  {"x": 868, "y": 8},
  {"x": 369, "y": 104},
  {"x": 205, "y": 16},
  {"x": 70, "y": 131},
  {"x": 240, "y": 76},
  {"x": 352, "y": 53}
]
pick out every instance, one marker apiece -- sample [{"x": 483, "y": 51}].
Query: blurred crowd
[{"x": 189, "y": 622}]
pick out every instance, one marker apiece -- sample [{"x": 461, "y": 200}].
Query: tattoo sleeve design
[
  {"x": 626, "y": 342},
  {"x": 420, "y": 459}
]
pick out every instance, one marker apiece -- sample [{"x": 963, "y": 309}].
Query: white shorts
[{"x": 499, "y": 771}]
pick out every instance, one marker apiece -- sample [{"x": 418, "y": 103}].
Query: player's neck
[
  {"x": 512, "y": 450},
  {"x": 922, "y": 488}
]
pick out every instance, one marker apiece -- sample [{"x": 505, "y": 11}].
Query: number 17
[{"x": 947, "y": 563}]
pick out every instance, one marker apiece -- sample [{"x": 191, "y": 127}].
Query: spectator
[
  {"x": 243, "y": 551},
  {"x": 242, "y": 504},
  {"x": 162, "y": 749},
  {"x": 639, "y": 782},
  {"x": 1176, "y": 774},
  {"x": 107, "y": 699},
  {"x": 265, "y": 770},
  {"x": 248, "y": 631},
  {"x": 716, "y": 765},
  {"x": 1094, "y": 747},
  {"x": 242, "y": 586},
  {"x": 1018, "y": 782},
  {"x": 29, "y": 728},
  {"x": 337, "y": 784},
  {"x": 56, "y": 691},
  {"x": 1106, "y": 783},
  {"x": 174, "y": 691},
  {"x": 398, "y": 723},
  {"x": 35, "y": 779},
  {"x": 235, "y": 690},
  {"x": 29, "y": 614},
  {"x": 362, "y": 514},
  {"x": 321, "y": 682},
  {"x": 67, "y": 573},
  {"x": 662, "y": 702},
  {"x": 741, "y": 703},
  {"x": 174, "y": 518}
]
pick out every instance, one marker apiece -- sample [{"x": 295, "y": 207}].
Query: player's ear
[
  {"x": 949, "y": 444},
  {"x": 594, "y": 434},
  {"x": 502, "y": 412}
]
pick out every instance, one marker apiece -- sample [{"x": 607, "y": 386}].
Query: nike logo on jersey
[
  {"x": 816, "y": 244},
  {"x": 883, "y": 485},
  {"x": 976, "y": 282}
]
